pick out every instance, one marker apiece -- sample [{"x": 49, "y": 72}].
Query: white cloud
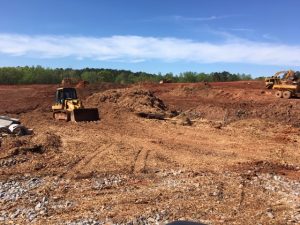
[
  {"x": 178, "y": 18},
  {"x": 242, "y": 29},
  {"x": 199, "y": 19},
  {"x": 136, "y": 49},
  {"x": 270, "y": 37}
]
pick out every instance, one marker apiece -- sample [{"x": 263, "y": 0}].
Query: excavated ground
[{"x": 226, "y": 153}]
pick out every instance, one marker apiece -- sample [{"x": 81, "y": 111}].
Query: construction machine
[
  {"x": 287, "y": 90},
  {"x": 69, "y": 108},
  {"x": 285, "y": 82},
  {"x": 286, "y": 76}
]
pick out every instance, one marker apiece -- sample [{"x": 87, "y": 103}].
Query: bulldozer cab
[{"x": 65, "y": 93}]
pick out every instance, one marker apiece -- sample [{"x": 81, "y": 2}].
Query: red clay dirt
[{"x": 235, "y": 162}]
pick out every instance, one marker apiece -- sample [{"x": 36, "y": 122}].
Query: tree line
[{"x": 41, "y": 75}]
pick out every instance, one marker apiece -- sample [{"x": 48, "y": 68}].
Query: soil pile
[
  {"x": 43, "y": 142},
  {"x": 47, "y": 141},
  {"x": 184, "y": 90},
  {"x": 136, "y": 100},
  {"x": 285, "y": 112},
  {"x": 82, "y": 84}
]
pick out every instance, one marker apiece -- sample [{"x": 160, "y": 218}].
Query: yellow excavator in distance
[
  {"x": 286, "y": 84},
  {"x": 68, "y": 107},
  {"x": 276, "y": 78}
]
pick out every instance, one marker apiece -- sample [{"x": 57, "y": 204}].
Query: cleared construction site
[{"x": 215, "y": 153}]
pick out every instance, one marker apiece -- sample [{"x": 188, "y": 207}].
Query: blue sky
[{"x": 256, "y": 37}]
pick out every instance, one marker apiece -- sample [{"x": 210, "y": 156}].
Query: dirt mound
[
  {"x": 47, "y": 141},
  {"x": 190, "y": 90},
  {"x": 42, "y": 142},
  {"x": 82, "y": 84},
  {"x": 10, "y": 142},
  {"x": 286, "y": 112},
  {"x": 136, "y": 100}
]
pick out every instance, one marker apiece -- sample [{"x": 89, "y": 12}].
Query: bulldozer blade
[{"x": 91, "y": 114}]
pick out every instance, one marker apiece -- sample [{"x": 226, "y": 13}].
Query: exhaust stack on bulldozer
[{"x": 69, "y": 108}]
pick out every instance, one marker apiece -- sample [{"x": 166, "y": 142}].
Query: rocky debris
[
  {"x": 109, "y": 182},
  {"x": 12, "y": 190},
  {"x": 147, "y": 219},
  {"x": 18, "y": 155},
  {"x": 26, "y": 214},
  {"x": 182, "y": 119},
  {"x": 156, "y": 116},
  {"x": 85, "y": 222},
  {"x": 154, "y": 217},
  {"x": 29, "y": 204},
  {"x": 211, "y": 190},
  {"x": 62, "y": 204},
  {"x": 136, "y": 100},
  {"x": 288, "y": 190},
  {"x": 11, "y": 162},
  {"x": 269, "y": 167}
]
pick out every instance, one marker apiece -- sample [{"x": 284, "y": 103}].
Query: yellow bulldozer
[
  {"x": 68, "y": 107},
  {"x": 286, "y": 84}
]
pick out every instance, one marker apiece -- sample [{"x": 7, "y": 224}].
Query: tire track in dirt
[
  {"x": 140, "y": 161},
  {"x": 81, "y": 164}
]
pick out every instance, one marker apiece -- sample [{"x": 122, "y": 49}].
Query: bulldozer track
[
  {"x": 88, "y": 159},
  {"x": 140, "y": 160},
  {"x": 83, "y": 162}
]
